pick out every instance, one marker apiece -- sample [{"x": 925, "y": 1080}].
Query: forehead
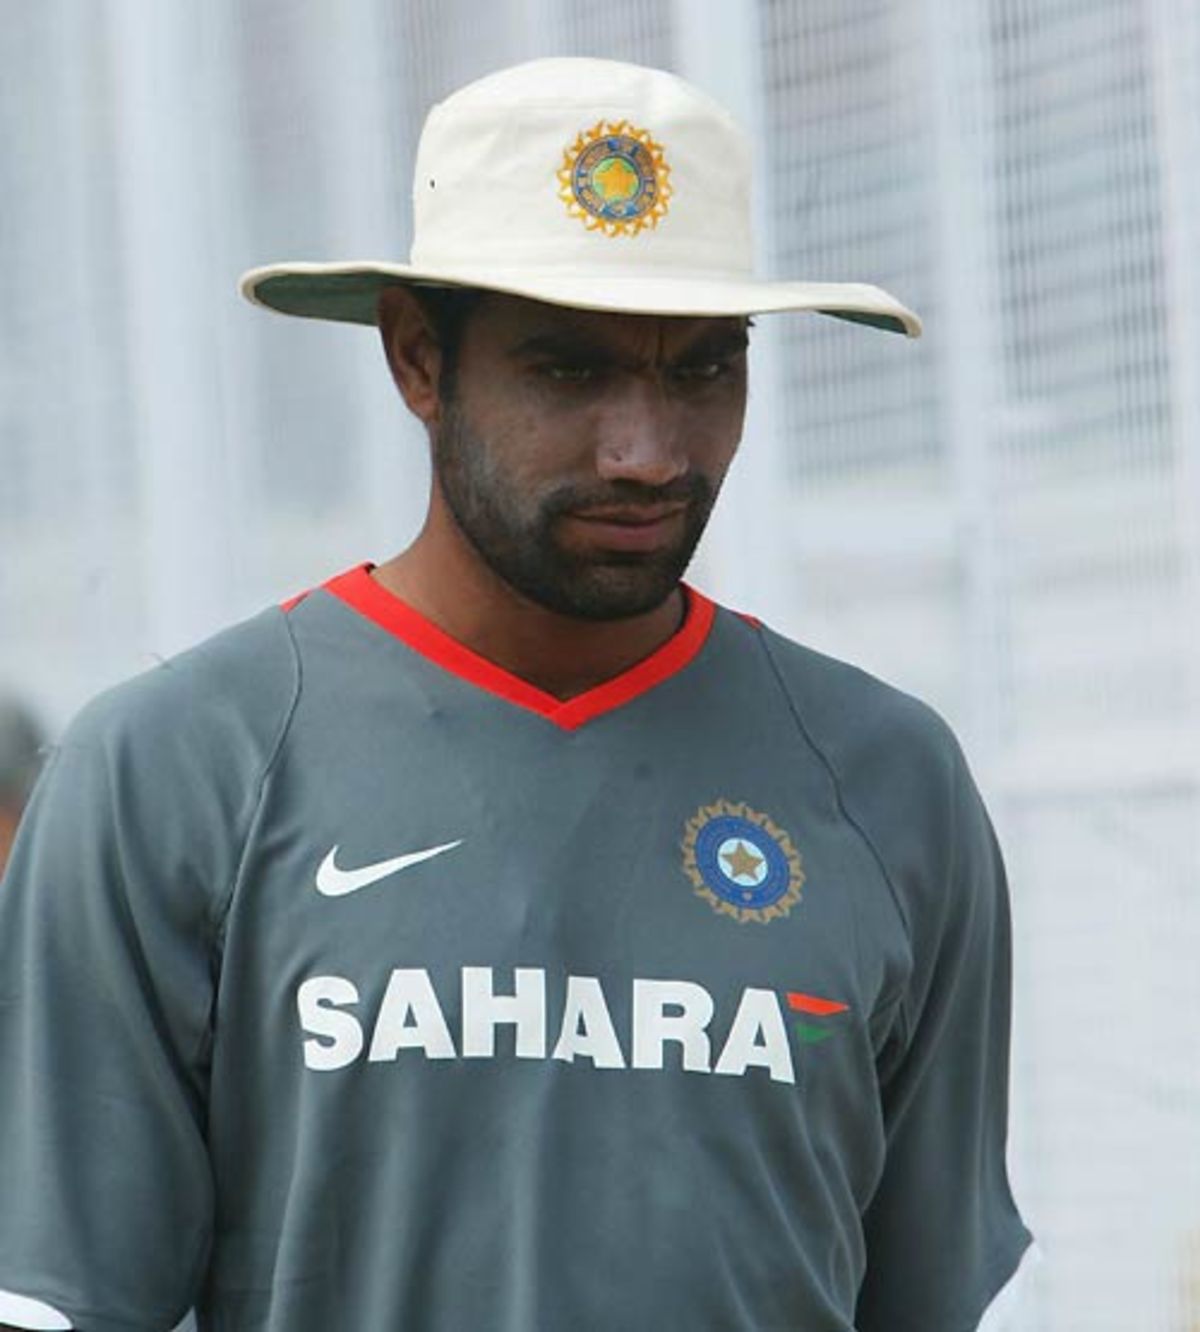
[{"x": 511, "y": 322}]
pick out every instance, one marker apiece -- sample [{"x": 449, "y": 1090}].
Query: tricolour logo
[
  {"x": 741, "y": 862},
  {"x": 615, "y": 179}
]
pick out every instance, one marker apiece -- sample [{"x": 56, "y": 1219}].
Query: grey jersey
[{"x": 347, "y": 981}]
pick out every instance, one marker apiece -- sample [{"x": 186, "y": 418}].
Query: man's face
[{"x": 581, "y": 453}]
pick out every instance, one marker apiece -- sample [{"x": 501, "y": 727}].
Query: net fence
[{"x": 1003, "y": 518}]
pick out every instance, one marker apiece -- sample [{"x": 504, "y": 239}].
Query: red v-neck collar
[{"x": 362, "y": 593}]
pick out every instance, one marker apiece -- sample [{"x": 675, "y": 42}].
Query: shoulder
[
  {"x": 900, "y": 775},
  {"x": 149, "y": 797},
  {"x": 857, "y": 720},
  {"x": 224, "y": 702}
]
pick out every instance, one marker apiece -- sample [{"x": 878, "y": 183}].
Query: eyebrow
[
  {"x": 574, "y": 345},
  {"x": 717, "y": 343}
]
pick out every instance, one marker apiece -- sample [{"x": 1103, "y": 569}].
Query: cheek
[
  {"x": 536, "y": 455},
  {"x": 714, "y": 432},
  {"x": 547, "y": 446},
  {"x": 506, "y": 438}
]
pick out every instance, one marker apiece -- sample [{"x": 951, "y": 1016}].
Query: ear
[{"x": 412, "y": 351}]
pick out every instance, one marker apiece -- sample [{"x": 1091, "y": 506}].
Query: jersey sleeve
[
  {"x": 110, "y": 917},
  {"x": 943, "y": 1234}
]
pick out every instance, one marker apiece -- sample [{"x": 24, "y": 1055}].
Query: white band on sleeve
[{"x": 20, "y": 1311}]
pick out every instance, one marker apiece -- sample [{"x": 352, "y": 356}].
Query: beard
[{"x": 516, "y": 534}]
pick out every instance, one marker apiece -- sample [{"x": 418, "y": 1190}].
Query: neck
[{"x": 556, "y": 653}]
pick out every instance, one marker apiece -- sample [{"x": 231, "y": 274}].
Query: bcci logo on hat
[
  {"x": 741, "y": 862},
  {"x": 614, "y": 178}
]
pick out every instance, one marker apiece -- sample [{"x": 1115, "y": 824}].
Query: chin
[{"x": 618, "y": 590}]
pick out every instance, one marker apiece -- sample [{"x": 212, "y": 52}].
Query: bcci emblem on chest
[{"x": 741, "y": 862}]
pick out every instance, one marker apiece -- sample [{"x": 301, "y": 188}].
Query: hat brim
[{"x": 349, "y": 292}]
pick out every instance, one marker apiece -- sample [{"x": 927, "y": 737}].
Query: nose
[{"x": 641, "y": 438}]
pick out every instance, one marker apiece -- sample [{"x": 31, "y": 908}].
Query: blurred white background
[{"x": 1003, "y": 517}]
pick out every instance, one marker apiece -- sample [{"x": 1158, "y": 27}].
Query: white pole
[
  {"x": 1175, "y": 29},
  {"x": 745, "y": 557},
  {"x": 167, "y": 88},
  {"x": 539, "y": 22},
  {"x": 368, "y": 150},
  {"x": 960, "y": 83},
  {"x": 82, "y": 233}
]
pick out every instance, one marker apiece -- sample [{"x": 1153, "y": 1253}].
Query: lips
[
  {"x": 628, "y": 527},
  {"x": 632, "y": 515}
]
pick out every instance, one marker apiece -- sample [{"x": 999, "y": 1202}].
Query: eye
[
  {"x": 703, "y": 372},
  {"x": 567, "y": 373}
]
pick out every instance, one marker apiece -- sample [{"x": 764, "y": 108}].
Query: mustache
[{"x": 693, "y": 490}]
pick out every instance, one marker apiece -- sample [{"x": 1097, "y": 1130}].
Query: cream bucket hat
[{"x": 586, "y": 183}]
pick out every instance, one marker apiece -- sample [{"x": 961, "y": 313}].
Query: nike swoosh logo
[{"x": 335, "y": 882}]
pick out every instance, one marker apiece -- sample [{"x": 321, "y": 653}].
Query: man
[{"x": 504, "y": 936}]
